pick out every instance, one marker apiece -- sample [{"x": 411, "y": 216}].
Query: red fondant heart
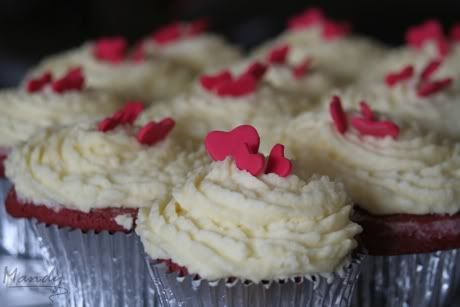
[
  {"x": 433, "y": 87},
  {"x": 37, "y": 84},
  {"x": 377, "y": 129},
  {"x": 245, "y": 160},
  {"x": 429, "y": 31},
  {"x": 338, "y": 115},
  {"x": 301, "y": 69},
  {"x": 168, "y": 34},
  {"x": 72, "y": 81},
  {"x": 333, "y": 30},
  {"x": 129, "y": 113},
  {"x": 278, "y": 55},
  {"x": 211, "y": 82},
  {"x": 307, "y": 19},
  {"x": 221, "y": 144},
  {"x": 244, "y": 85},
  {"x": 107, "y": 124},
  {"x": 277, "y": 163},
  {"x": 430, "y": 69},
  {"x": 366, "y": 110},
  {"x": 110, "y": 49},
  {"x": 153, "y": 132},
  {"x": 406, "y": 73},
  {"x": 257, "y": 70}
]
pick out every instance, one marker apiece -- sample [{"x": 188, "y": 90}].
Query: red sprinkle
[
  {"x": 107, "y": 124},
  {"x": 257, "y": 70},
  {"x": 366, "y": 110},
  {"x": 248, "y": 161},
  {"x": 406, "y": 73},
  {"x": 222, "y": 144},
  {"x": 211, "y": 82},
  {"x": 432, "y": 87},
  {"x": 429, "y": 31},
  {"x": 301, "y": 69},
  {"x": 338, "y": 115},
  {"x": 37, "y": 84},
  {"x": 129, "y": 113},
  {"x": 168, "y": 33},
  {"x": 278, "y": 55},
  {"x": 430, "y": 69},
  {"x": 111, "y": 49},
  {"x": 154, "y": 132},
  {"x": 333, "y": 30},
  {"x": 72, "y": 81},
  {"x": 379, "y": 129},
  {"x": 306, "y": 19},
  {"x": 277, "y": 163},
  {"x": 244, "y": 85}
]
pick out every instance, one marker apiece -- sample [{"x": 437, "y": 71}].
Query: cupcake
[
  {"x": 335, "y": 52},
  {"x": 406, "y": 184},
  {"x": 80, "y": 188},
  {"x": 111, "y": 66},
  {"x": 43, "y": 102},
  {"x": 426, "y": 93},
  {"x": 225, "y": 100},
  {"x": 268, "y": 237},
  {"x": 188, "y": 44}
]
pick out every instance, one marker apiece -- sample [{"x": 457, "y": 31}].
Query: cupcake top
[
  {"x": 44, "y": 102},
  {"x": 111, "y": 66},
  {"x": 189, "y": 44},
  {"x": 248, "y": 219},
  {"x": 387, "y": 167},
  {"x": 224, "y": 100},
  {"x": 336, "y": 53},
  {"x": 111, "y": 163},
  {"x": 427, "y": 94}
]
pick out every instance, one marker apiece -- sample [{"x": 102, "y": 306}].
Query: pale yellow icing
[
  {"x": 254, "y": 228},
  {"x": 78, "y": 167}
]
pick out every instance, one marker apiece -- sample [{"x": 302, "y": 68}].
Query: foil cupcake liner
[
  {"x": 422, "y": 280},
  {"x": 16, "y": 237},
  {"x": 315, "y": 291},
  {"x": 97, "y": 269}
]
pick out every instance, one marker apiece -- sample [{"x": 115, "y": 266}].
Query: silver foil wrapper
[
  {"x": 16, "y": 237},
  {"x": 314, "y": 291},
  {"x": 419, "y": 280},
  {"x": 97, "y": 269}
]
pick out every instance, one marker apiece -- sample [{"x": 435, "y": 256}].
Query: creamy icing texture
[
  {"x": 148, "y": 79},
  {"x": 78, "y": 167},
  {"x": 254, "y": 228},
  {"x": 417, "y": 173},
  {"x": 23, "y": 114}
]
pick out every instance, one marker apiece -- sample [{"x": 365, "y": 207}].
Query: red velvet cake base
[
  {"x": 97, "y": 219},
  {"x": 397, "y": 234}
]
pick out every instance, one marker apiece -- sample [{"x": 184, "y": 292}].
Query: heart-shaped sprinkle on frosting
[
  {"x": 127, "y": 115},
  {"x": 244, "y": 85},
  {"x": 246, "y": 160},
  {"x": 338, "y": 115},
  {"x": 37, "y": 84},
  {"x": 301, "y": 69},
  {"x": 154, "y": 132},
  {"x": 278, "y": 55},
  {"x": 211, "y": 82},
  {"x": 430, "y": 69},
  {"x": 429, "y": 31},
  {"x": 366, "y": 110},
  {"x": 256, "y": 69},
  {"x": 429, "y": 88},
  {"x": 111, "y": 49},
  {"x": 277, "y": 163},
  {"x": 379, "y": 129},
  {"x": 391, "y": 79},
  {"x": 72, "y": 81}
]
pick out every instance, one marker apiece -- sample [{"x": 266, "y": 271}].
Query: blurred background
[{"x": 32, "y": 29}]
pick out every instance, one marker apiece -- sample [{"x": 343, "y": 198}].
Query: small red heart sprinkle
[
  {"x": 430, "y": 69},
  {"x": 278, "y": 55},
  {"x": 333, "y": 30},
  {"x": 338, "y": 115},
  {"x": 72, "y": 81},
  {"x": 406, "y": 73},
  {"x": 301, "y": 69},
  {"x": 211, "y": 82},
  {"x": 431, "y": 30},
  {"x": 168, "y": 34},
  {"x": 307, "y": 19},
  {"x": 257, "y": 70},
  {"x": 110, "y": 49},
  {"x": 37, "y": 84},
  {"x": 454, "y": 34},
  {"x": 247, "y": 161},
  {"x": 432, "y": 87},
  {"x": 198, "y": 27},
  {"x": 366, "y": 110},
  {"x": 277, "y": 163},
  {"x": 129, "y": 113},
  {"x": 244, "y": 85},
  {"x": 153, "y": 132},
  {"x": 107, "y": 124},
  {"x": 377, "y": 129},
  {"x": 221, "y": 144}
]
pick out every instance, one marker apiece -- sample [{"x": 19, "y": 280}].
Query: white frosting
[
  {"x": 125, "y": 220},
  {"x": 253, "y": 228},
  {"x": 417, "y": 173},
  {"x": 23, "y": 114},
  {"x": 78, "y": 167}
]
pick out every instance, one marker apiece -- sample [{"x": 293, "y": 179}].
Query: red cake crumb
[
  {"x": 97, "y": 219},
  {"x": 398, "y": 234}
]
